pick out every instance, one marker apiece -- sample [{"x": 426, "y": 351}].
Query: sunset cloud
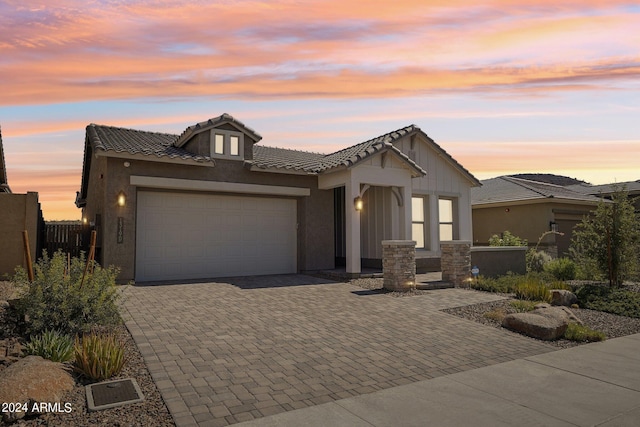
[{"x": 495, "y": 81}]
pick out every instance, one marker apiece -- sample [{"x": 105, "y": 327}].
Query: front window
[
  {"x": 445, "y": 212},
  {"x": 417, "y": 222},
  {"x": 234, "y": 145}
]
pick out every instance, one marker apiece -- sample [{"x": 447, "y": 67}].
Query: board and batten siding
[{"x": 380, "y": 218}]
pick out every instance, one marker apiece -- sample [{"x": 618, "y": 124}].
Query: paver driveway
[{"x": 226, "y": 352}]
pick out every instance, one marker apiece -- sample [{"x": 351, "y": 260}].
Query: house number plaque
[{"x": 120, "y": 229}]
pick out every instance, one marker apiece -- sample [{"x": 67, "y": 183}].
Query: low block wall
[
  {"x": 18, "y": 212},
  {"x": 496, "y": 261}
]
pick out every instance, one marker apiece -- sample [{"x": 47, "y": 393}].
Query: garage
[{"x": 194, "y": 236}]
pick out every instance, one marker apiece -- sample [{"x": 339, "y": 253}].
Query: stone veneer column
[
  {"x": 456, "y": 261},
  {"x": 399, "y": 264}
]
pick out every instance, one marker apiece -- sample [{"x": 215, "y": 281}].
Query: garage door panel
[{"x": 184, "y": 236}]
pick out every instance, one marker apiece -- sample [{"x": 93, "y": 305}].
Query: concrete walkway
[
  {"x": 248, "y": 348},
  {"x": 591, "y": 385}
]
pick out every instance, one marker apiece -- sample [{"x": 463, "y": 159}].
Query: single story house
[
  {"x": 528, "y": 208},
  {"x": 213, "y": 202}
]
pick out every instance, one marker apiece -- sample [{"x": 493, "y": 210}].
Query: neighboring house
[
  {"x": 18, "y": 212},
  {"x": 528, "y": 209},
  {"x": 607, "y": 190},
  {"x": 212, "y": 202}
]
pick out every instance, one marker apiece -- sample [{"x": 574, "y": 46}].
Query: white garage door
[{"x": 191, "y": 236}]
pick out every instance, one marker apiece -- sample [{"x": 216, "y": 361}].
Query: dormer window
[{"x": 226, "y": 144}]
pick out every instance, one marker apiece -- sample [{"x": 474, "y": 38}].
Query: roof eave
[{"x": 154, "y": 158}]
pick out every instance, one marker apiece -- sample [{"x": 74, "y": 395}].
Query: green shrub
[
  {"x": 507, "y": 239},
  {"x": 533, "y": 290},
  {"x": 522, "y": 306},
  {"x": 503, "y": 284},
  {"x": 57, "y": 298},
  {"x": 51, "y": 345},
  {"x": 557, "y": 284},
  {"x": 99, "y": 356},
  {"x": 611, "y": 300},
  {"x": 561, "y": 268},
  {"x": 536, "y": 260},
  {"x": 580, "y": 333}
]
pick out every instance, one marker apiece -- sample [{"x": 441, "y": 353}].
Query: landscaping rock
[
  {"x": 545, "y": 323},
  {"x": 33, "y": 380},
  {"x": 536, "y": 326},
  {"x": 563, "y": 297}
]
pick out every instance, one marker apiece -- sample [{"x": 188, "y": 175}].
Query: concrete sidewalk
[{"x": 591, "y": 385}]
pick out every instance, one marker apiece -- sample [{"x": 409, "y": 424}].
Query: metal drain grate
[{"x": 110, "y": 394}]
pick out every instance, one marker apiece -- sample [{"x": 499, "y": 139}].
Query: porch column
[
  {"x": 352, "y": 219},
  {"x": 405, "y": 214}
]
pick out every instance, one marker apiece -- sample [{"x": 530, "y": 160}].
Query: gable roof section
[
  {"x": 216, "y": 122},
  {"x": 130, "y": 141},
  {"x": 315, "y": 163},
  {"x": 507, "y": 189},
  {"x": 4, "y": 185}
]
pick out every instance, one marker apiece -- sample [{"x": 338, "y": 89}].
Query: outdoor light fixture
[
  {"x": 122, "y": 199},
  {"x": 357, "y": 202},
  {"x": 553, "y": 226}
]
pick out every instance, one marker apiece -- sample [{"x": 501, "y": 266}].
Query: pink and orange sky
[{"x": 503, "y": 86}]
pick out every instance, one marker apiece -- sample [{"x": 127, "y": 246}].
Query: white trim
[{"x": 217, "y": 186}]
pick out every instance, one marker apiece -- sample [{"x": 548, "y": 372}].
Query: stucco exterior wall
[
  {"x": 315, "y": 212},
  {"x": 18, "y": 212},
  {"x": 529, "y": 221}
]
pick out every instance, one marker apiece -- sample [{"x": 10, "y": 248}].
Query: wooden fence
[{"x": 70, "y": 238}]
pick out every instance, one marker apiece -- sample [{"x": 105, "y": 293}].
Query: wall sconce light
[
  {"x": 553, "y": 226},
  {"x": 84, "y": 220},
  {"x": 358, "y": 203},
  {"x": 122, "y": 199}
]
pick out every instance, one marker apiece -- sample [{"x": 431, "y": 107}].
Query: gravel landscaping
[
  {"x": 151, "y": 412},
  {"x": 610, "y": 324}
]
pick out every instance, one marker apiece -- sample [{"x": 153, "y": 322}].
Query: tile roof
[
  {"x": 510, "y": 189},
  {"x": 632, "y": 187},
  {"x": 279, "y": 158},
  {"x": 121, "y": 140},
  {"x": 211, "y": 123}
]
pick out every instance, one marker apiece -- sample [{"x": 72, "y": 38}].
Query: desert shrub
[
  {"x": 507, "y": 239},
  {"x": 557, "y": 284},
  {"x": 536, "y": 260},
  {"x": 51, "y": 345},
  {"x": 523, "y": 306},
  {"x": 503, "y": 284},
  {"x": 99, "y": 356},
  {"x": 57, "y": 298},
  {"x": 496, "y": 314},
  {"x": 580, "y": 333},
  {"x": 533, "y": 290},
  {"x": 611, "y": 300},
  {"x": 561, "y": 268},
  {"x": 609, "y": 239}
]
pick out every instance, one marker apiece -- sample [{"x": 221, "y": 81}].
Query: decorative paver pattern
[{"x": 222, "y": 353}]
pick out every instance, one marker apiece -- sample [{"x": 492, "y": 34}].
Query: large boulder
[
  {"x": 545, "y": 322},
  {"x": 33, "y": 380},
  {"x": 563, "y": 297}
]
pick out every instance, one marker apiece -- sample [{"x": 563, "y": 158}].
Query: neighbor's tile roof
[
  {"x": 280, "y": 158},
  {"x": 510, "y": 189},
  {"x": 632, "y": 187},
  {"x": 121, "y": 140}
]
